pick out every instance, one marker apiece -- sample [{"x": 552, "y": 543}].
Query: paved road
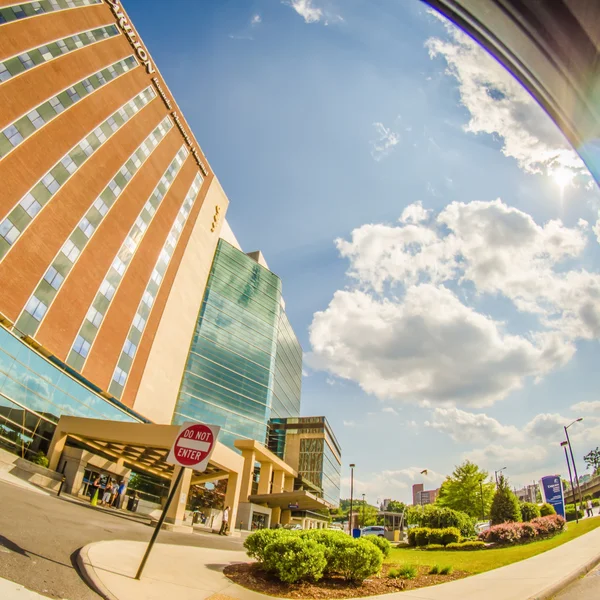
[
  {"x": 586, "y": 588},
  {"x": 40, "y": 534}
]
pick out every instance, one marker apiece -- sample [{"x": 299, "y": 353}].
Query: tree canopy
[
  {"x": 592, "y": 460},
  {"x": 505, "y": 506},
  {"x": 462, "y": 490}
]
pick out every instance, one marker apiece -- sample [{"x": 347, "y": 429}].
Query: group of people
[{"x": 113, "y": 492}]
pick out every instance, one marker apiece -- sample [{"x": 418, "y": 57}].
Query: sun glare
[{"x": 563, "y": 177}]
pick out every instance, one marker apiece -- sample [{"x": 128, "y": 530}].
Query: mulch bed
[{"x": 251, "y": 576}]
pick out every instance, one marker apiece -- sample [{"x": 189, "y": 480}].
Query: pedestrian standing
[
  {"x": 95, "y": 490},
  {"x": 225, "y": 522},
  {"x": 107, "y": 493},
  {"x": 119, "y": 495},
  {"x": 590, "y": 508}
]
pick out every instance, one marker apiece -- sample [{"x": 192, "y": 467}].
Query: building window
[
  {"x": 8, "y": 231},
  {"x": 36, "y": 308},
  {"x": 50, "y": 183},
  {"x": 118, "y": 265},
  {"x": 139, "y": 322},
  {"x": 81, "y": 346},
  {"x": 120, "y": 376},
  {"x": 129, "y": 348},
  {"x": 94, "y": 317},
  {"x": 70, "y": 250},
  {"x": 100, "y": 206},
  {"x": 30, "y": 205},
  {"x": 13, "y": 135},
  {"x": 107, "y": 290},
  {"x": 53, "y": 277}
]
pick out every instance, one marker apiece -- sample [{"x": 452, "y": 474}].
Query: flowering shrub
[{"x": 512, "y": 533}]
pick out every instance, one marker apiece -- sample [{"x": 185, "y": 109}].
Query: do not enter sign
[{"x": 193, "y": 446}]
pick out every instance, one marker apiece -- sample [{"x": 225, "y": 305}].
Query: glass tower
[{"x": 244, "y": 364}]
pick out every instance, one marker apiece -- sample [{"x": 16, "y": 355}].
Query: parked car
[
  {"x": 373, "y": 530},
  {"x": 293, "y": 526}
]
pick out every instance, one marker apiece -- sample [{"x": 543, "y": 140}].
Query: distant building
[
  {"x": 385, "y": 504},
  {"x": 527, "y": 494},
  {"x": 422, "y": 496}
]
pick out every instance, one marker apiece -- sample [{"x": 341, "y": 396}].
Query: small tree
[
  {"x": 505, "y": 505},
  {"x": 529, "y": 511},
  {"x": 592, "y": 460}
]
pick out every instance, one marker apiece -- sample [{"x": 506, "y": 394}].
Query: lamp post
[
  {"x": 362, "y": 523},
  {"x": 352, "y": 465},
  {"x": 482, "y": 509},
  {"x": 573, "y": 461},
  {"x": 564, "y": 445},
  {"x": 496, "y": 474}
]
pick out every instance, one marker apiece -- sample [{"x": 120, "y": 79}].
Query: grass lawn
[{"x": 477, "y": 561}]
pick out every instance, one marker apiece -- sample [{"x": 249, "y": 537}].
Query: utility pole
[{"x": 352, "y": 465}]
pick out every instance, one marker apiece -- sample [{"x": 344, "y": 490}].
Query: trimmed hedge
[
  {"x": 512, "y": 533},
  {"x": 380, "y": 542},
  {"x": 423, "y": 536},
  {"x": 466, "y": 546},
  {"x": 308, "y": 555},
  {"x": 439, "y": 517},
  {"x": 546, "y": 510},
  {"x": 570, "y": 513}
]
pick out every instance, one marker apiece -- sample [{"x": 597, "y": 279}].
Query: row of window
[
  {"x": 35, "y": 119},
  {"x": 11, "y": 67},
  {"x": 48, "y": 287},
  {"x": 101, "y": 304},
  {"x": 143, "y": 312},
  {"x": 31, "y": 9},
  {"x": 40, "y": 194}
]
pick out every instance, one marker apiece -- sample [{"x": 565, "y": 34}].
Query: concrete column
[
  {"x": 247, "y": 474},
  {"x": 57, "y": 445},
  {"x": 174, "y": 519},
  {"x": 288, "y": 484},
  {"x": 278, "y": 481},
  {"x": 275, "y": 515},
  {"x": 286, "y": 516},
  {"x": 264, "y": 482},
  {"x": 232, "y": 498}
]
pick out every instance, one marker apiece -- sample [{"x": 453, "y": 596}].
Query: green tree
[
  {"x": 592, "y": 460},
  {"x": 462, "y": 490},
  {"x": 395, "y": 506},
  {"x": 505, "y": 505}
]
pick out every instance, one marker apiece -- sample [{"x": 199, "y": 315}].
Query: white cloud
[
  {"x": 390, "y": 410},
  {"x": 494, "y": 454},
  {"x": 255, "y": 20},
  {"x": 587, "y": 407},
  {"x": 306, "y": 10},
  {"x": 499, "y": 105},
  {"x": 386, "y": 141},
  {"x": 414, "y": 213},
  {"x": 427, "y": 347},
  {"x": 349, "y": 423}
]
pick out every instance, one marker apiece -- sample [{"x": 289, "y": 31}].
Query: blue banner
[{"x": 552, "y": 493}]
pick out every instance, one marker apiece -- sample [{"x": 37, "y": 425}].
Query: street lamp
[
  {"x": 363, "y": 513},
  {"x": 573, "y": 461},
  {"x": 564, "y": 445},
  {"x": 352, "y": 465},
  {"x": 496, "y": 474}
]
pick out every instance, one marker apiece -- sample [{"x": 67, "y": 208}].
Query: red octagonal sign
[{"x": 193, "y": 446}]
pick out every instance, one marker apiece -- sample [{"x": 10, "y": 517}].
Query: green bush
[
  {"x": 293, "y": 558},
  {"x": 437, "y": 517},
  {"x": 434, "y": 570},
  {"x": 547, "y": 510},
  {"x": 256, "y": 542},
  {"x": 435, "y": 547},
  {"x": 404, "y": 572},
  {"x": 333, "y": 544},
  {"x": 357, "y": 561},
  {"x": 466, "y": 546},
  {"x": 418, "y": 536},
  {"x": 529, "y": 511},
  {"x": 380, "y": 542},
  {"x": 40, "y": 459},
  {"x": 595, "y": 502},
  {"x": 447, "y": 570},
  {"x": 570, "y": 513}
]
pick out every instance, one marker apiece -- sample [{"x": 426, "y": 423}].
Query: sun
[{"x": 563, "y": 177}]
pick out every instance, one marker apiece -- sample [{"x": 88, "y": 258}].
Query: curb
[
  {"x": 551, "y": 591},
  {"x": 88, "y": 574}
]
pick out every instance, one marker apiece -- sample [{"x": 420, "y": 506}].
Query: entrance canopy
[{"x": 300, "y": 500}]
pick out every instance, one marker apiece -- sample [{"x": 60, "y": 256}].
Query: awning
[{"x": 300, "y": 498}]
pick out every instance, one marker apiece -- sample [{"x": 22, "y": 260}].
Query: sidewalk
[
  {"x": 14, "y": 480},
  {"x": 196, "y": 573},
  {"x": 14, "y": 591}
]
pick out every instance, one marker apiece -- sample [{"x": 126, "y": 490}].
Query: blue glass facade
[
  {"x": 34, "y": 393},
  {"x": 242, "y": 350}
]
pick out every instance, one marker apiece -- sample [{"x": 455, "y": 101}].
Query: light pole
[
  {"x": 496, "y": 474},
  {"x": 352, "y": 465},
  {"x": 362, "y": 524},
  {"x": 564, "y": 445},
  {"x": 482, "y": 509},
  {"x": 573, "y": 461}
]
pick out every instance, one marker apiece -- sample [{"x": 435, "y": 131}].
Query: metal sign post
[{"x": 192, "y": 449}]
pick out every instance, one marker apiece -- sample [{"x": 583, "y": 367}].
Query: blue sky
[{"x": 457, "y": 315}]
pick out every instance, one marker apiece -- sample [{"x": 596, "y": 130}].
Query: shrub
[
  {"x": 40, "y": 459},
  {"x": 466, "y": 546},
  {"x": 505, "y": 505},
  {"x": 434, "y": 570},
  {"x": 529, "y": 511},
  {"x": 547, "y": 510},
  {"x": 381, "y": 543},
  {"x": 595, "y": 502},
  {"x": 437, "y": 517},
  {"x": 256, "y": 542},
  {"x": 511, "y": 533},
  {"x": 505, "y": 533},
  {"x": 293, "y": 558},
  {"x": 570, "y": 513},
  {"x": 418, "y": 536},
  {"x": 357, "y": 561},
  {"x": 447, "y": 570},
  {"x": 548, "y": 526},
  {"x": 450, "y": 535},
  {"x": 404, "y": 572},
  {"x": 435, "y": 547}
]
